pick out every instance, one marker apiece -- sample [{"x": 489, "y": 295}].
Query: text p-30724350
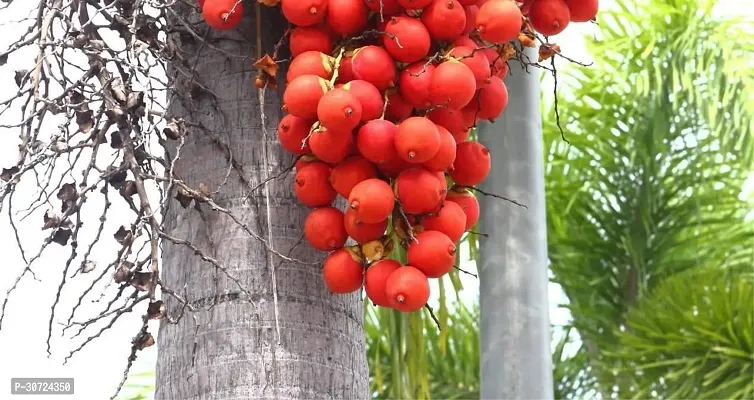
[{"x": 41, "y": 386}]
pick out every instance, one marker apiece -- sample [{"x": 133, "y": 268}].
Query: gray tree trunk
[
  {"x": 516, "y": 361},
  {"x": 231, "y": 350}
]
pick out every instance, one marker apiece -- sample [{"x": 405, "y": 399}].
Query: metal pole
[{"x": 515, "y": 358}]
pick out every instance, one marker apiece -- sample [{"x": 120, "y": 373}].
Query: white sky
[{"x": 99, "y": 367}]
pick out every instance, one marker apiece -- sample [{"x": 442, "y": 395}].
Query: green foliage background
[{"x": 647, "y": 226}]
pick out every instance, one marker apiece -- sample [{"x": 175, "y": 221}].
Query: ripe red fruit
[
  {"x": 444, "y": 19},
  {"x": 445, "y": 155},
  {"x": 201, "y": 3},
  {"x": 347, "y": 17},
  {"x": 419, "y": 191},
  {"x": 292, "y": 131},
  {"x": 465, "y": 40},
  {"x": 311, "y": 185},
  {"x": 393, "y": 167},
  {"x": 433, "y": 253},
  {"x": 407, "y": 289},
  {"x": 414, "y": 82},
  {"x": 363, "y": 232},
  {"x": 582, "y": 10},
  {"x": 475, "y": 60},
  {"x": 414, "y": 4},
  {"x": 471, "y": 12},
  {"x": 397, "y": 108},
  {"x": 412, "y": 36},
  {"x": 443, "y": 186},
  {"x": 343, "y": 272},
  {"x": 339, "y": 110},
  {"x": 417, "y": 139},
  {"x": 304, "y": 161},
  {"x": 462, "y": 137},
  {"x": 468, "y": 204},
  {"x": 349, "y": 172},
  {"x": 389, "y": 7},
  {"x": 499, "y": 21},
  {"x": 453, "y": 85},
  {"x": 311, "y": 63},
  {"x": 302, "y": 95},
  {"x": 375, "y": 280},
  {"x": 221, "y": 14},
  {"x": 549, "y": 17},
  {"x": 304, "y": 12},
  {"x": 492, "y": 99},
  {"x": 472, "y": 164},
  {"x": 345, "y": 71},
  {"x": 369, "y": 97},
  {"x": 376, "y": 141},
  {"x": 451, "y": 220},
  {"x": 372, "y": 201},
  {"x": 331, "y": 146},
  {"x": 498, "y": 65},
  {"x": 324, "y": 229},
  {"x": 374, "y": 65},
  {"x": 309, "y": 38},
  {"x": 452, "y": 120},
  {"x": 525, "y": 6}
]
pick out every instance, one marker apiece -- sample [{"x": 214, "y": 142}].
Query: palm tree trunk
[
  {"x": 515, "y": 331},
  {"x": 232, "y": 349}
]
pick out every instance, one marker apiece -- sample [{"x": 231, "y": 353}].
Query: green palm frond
[
  {"x": 691, "y": 338},
  {"x": 572, "y": 376},
  {"x": 679, "y": 53},
  {"x": 649, "y": 187},
  {"x": 434, "y": 368}
]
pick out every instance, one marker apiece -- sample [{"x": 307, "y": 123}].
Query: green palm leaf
[
  {"x": 660, "y": 146},
  {"x": 691, "y": 338}
]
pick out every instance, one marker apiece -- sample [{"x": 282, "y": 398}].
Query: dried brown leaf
[
  {"x": 68, "y": 193},
  {"x": 61, "y": 236},
  {"x": 140, "y": 154},
  {"x": 508, "y": 51},
  {"x": 135, "y": 100},
  {"x": 128, "y": 189},
  {"x": 78, "y": 101},
  {"x": 183, "y": 197},
  {"x": 175, "y": 129},
  {"x": 123, "y": 236},
  {"x": 87, "y": 266},
  {"x": 8, "y": 173},
  {"x": 116, "y": 141},
  {"x": 526, "y": 40},
  {"x": 85, "y": 121},
  {"x": 51, "y": 220},
  {"x": 142, "y": 281},
  {"x": 376, "y": 250},
  {"x": 116, "y": 176},
  {"x": 548, "y": 50},
  {"x": 143, "y": 341},
  {"x": 156, "y": 310},
  {"x": 269, "y": 3},
  {"x": 272, "y": 82},
  {"x": 123, "y": 272},
  {"x": 267, "y": 65},
  {"x": 20, "y": 76}
]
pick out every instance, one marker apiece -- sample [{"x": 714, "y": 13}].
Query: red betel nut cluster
[{"x": 380, "y": 99}]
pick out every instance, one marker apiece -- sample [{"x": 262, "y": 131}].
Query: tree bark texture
[
  {"x": 231, "y": 350},
  {"x": 516, "y": 361}
]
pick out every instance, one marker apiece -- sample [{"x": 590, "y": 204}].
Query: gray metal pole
[{"x": 515, "y": 328}]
